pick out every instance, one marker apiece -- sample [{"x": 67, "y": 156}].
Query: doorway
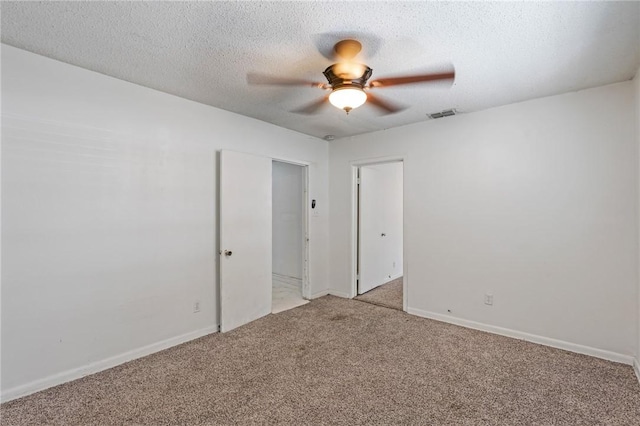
[
  {"x": 289, "y": 237},
  {"x": 247, "y": 238},
  {"x": 379, "y": 234}
]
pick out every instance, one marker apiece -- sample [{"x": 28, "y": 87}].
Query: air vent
[{"x": 445, "y": 113}]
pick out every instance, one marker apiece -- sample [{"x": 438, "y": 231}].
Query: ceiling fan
[{"x": 349, "y": 82}]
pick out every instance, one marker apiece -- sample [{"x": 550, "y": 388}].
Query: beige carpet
[
  {"x": 337, "y": 361},
  {"x": 388, "y": 295}
]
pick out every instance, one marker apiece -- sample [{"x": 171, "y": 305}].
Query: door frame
[
  {"x": 306, "y": 287},
  {"x": 355, "y": 166}
]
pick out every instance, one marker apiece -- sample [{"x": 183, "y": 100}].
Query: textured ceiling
[{"x": 502, "y": 52}]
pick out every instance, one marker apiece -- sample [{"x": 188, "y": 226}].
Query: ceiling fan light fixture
[{"x": 347, "y": 98}]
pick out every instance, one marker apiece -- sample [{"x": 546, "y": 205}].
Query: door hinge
[{"x": 358, "y": 181}]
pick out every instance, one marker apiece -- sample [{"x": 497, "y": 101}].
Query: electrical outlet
[
  {"x": 196, "y": 306},
  {"x": 394, "y": 265},
  {"x": 488, "y": 299}
]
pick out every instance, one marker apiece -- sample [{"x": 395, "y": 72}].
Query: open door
[
  {"x": 379, "y": 226},
  {"x": 245, "y": 238},
  {"x": 368, "y": 231}
]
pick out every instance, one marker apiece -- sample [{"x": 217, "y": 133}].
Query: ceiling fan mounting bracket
[{"x": 347, "y": 49}]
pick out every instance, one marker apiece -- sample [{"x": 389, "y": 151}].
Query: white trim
[
  {"x": 105, "y": 364},
  {"x": 405, "y": 277},
  {"x": 636, "y": 368},
  {"x": 405, "y": 232},
  {"x": 393, "y": 278},
  {"x": 319, "y": 294},
  {"x": 546, "y": 341},
  {"x": 378, "y": 160},
  {"x": 339, "y": 293},
  {"x": 300, "y": 163},
  {"x": 355, "y": 181},
  {"x": 306, "y": 211}
]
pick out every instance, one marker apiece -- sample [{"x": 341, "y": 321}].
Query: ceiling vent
[{"x": 445, "y": 113}]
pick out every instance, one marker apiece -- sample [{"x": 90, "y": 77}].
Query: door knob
[{"x": 228, "y": 253}]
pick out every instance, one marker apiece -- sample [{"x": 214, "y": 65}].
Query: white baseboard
[
  {"x": 559, "y": 344},
  {"x": 339, "y": 293},
  {"x": 636, "y": 368},
  {"x": 319, "y": 294},
  {"x": 393, "y": 278},
  {"x": 95, "y": 367}
]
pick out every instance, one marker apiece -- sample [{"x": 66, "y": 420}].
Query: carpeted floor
[
  {"x": 388, "y": 295},
  {"x": 338, "y": 361}
]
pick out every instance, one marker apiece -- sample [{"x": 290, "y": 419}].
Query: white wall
[
  {"x": 109, "y": 216},
  {"x": 288, "y": 224},
  {"x": 380, "y": 213},
  {"x": 534, "y": 202}
]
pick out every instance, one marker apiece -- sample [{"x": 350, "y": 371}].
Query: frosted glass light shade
[{"x": 347, "y": 98}]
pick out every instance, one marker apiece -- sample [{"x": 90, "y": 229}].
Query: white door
[
  {"x": 380, "y": 225},
  {"x": 368, "y": 232},
  {"x": 245, "y": 238}
]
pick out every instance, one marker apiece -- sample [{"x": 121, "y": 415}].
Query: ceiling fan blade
[
  {"x": 385, "y": 106},
  {"x": 412, "y": 79},
  {"x": 270, "y": 80},
  {"x": 313, "y": 107}
]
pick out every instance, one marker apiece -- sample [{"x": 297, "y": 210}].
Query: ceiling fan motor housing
[{"x": 338, "y": 82}]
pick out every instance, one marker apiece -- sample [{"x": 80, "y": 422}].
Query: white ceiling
[{"x": 502, "y": 52}]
